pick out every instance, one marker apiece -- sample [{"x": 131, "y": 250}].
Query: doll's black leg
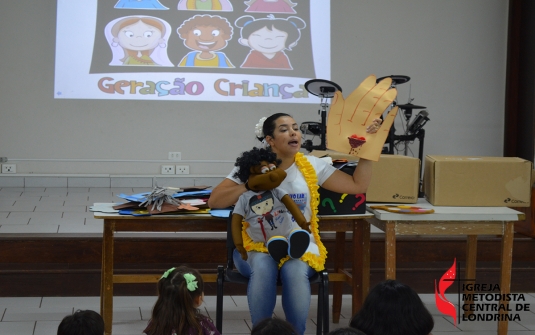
[
  {"x": 298, "y": 243},
  {"x": 277, "y": 247}
]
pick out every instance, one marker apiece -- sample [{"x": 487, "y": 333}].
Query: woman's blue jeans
[{"x": 262, "y": 272}]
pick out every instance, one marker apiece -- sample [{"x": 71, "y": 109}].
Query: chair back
[{"x": 230, "y": 244}]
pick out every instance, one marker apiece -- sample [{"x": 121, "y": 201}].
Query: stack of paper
[{"x": 186, "y": 200}]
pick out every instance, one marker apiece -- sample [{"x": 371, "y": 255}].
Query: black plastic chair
[{"x": 228, "y": 274}]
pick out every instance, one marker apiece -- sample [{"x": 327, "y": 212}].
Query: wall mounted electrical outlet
[
  {"x": 168, "y": 169},
  {"x": 182, "y": 169},
  {"x": 9, "y": 168}
]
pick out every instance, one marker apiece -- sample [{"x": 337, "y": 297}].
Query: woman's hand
[{"x": 374, "y": 126}]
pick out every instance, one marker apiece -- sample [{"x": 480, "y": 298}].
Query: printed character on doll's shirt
[
  {"x": 264, "y": 210},
  {"x": 262, "y": 205}
]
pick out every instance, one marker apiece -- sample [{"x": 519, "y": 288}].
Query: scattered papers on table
[
  {"x": 103, "y": 207},
  {"x": 188, "y": 200},
  {"x": 141, "y": 197}
]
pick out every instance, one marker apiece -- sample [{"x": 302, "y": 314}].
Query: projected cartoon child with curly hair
[
  {"x": 138, "y": 41},
  {"x": 205, "y": 34},
  {"x": 268, "y": 38}
]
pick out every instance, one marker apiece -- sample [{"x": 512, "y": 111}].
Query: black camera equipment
[{"x": 324, "y": 89}]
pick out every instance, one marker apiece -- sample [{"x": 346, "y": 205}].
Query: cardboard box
[
  {"x": 395, "y": 178},
  {"x": 477, "y": 181}
]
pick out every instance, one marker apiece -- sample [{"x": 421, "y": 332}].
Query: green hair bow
[
  {"x": 190, "y": 281},
  {"x": 166, "y": 273}
]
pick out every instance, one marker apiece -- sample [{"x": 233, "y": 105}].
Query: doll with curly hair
[{"x": 271, "y": 216}]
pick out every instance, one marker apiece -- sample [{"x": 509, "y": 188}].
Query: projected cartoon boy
[
  {"x": 205, "y": 34},
  {"x": 268, "y": 38},
  {"x": 270, "y": 6},
  {"x": 140, "y": 4},
  {"x": 206, "y": 5},
  {"x": 138, "y": 41}
]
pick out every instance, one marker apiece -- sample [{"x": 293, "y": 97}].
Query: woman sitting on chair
[{"x": 281, "y": 134}]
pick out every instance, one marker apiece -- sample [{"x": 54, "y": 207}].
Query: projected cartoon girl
[
  {"x": 139, "y": 41},
  {"x": 205, "y": 34},
  {"x": 268, "y": 38},
  {"x": 270, "y": 6},
  {"x": 140, "y": 4},
  {"x": 206, "y": 5}
]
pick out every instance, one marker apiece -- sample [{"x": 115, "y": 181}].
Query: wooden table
[
  {"x": 157, "y": 223},
  {"x": 359, "y": 277},
  {"x": 470, "y": 221},
  {"x": 207, "y": 223}
]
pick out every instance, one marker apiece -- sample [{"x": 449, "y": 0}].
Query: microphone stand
[
  {"x": 324, "y": 89},
  {"x": 323, "y": 129},
  {"x": 420, "y": 135}
]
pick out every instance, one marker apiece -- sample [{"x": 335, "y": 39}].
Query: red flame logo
[{"x": 443, "y": 304}]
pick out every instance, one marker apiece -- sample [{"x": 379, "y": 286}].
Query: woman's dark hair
[
  {"x": 252, "y": 158},
  {"x": 393, "y": 308},
  {"x": 175, "y": 310},
  {"x": 291, "y": 25},
  {"x": 269, "y": 125},
  {"x": 86, "y": 322},
  {"x": 273, "y": 326},
  {"x": 346, "y": 331}
]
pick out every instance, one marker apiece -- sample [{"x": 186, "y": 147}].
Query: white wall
[{"x": 454, "y": 51}]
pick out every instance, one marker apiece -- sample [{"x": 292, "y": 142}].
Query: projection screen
[{"x": 191, "y": 50}]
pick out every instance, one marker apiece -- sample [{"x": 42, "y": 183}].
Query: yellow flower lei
[{"x": 315, "y": 261}]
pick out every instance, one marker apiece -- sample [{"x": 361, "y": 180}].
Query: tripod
[{"x": 414, "y": 130}]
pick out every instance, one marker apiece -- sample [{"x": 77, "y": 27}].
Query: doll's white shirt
[
  {"x": 296, "y": 187},
  {"x": 277, "y": 221}
]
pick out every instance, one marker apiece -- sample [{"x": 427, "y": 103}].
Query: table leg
[
  {"x": 338, "y": 267},
  {"x": 106, "y": 284},
  {"x": 470, "y": 267},
  {"x": 361, "y": 264},
  {"x": 505, "y": 272},
  {"x": 390, "y": 250}
]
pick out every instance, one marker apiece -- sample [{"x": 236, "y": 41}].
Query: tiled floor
[
  {"x": 42, "y": 315},
  {"x": 65, "y": 211}
]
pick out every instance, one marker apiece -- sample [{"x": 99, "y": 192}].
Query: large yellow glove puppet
[{"x": 348, "y": 119}]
